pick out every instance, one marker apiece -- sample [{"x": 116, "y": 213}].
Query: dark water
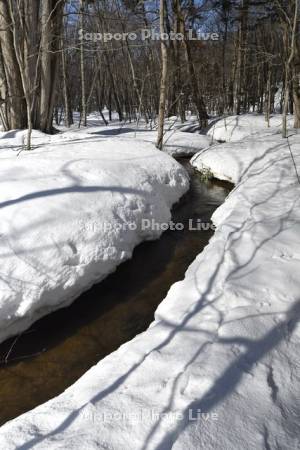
[{"x": 59, "y": 348}]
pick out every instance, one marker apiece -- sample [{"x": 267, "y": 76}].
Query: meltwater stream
[{"x": 50, "y": 356}]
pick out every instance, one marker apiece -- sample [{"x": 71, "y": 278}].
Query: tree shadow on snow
[
  {"x": 255, "y": 350},
  {"x": 118, "y": 131}
]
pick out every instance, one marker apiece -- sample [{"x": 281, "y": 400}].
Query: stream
[{"x": 59, "y": 348}]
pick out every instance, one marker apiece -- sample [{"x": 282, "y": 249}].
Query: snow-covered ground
[
  {"x": 177, "y": 142},
  {"x": 236, "y": 128},
  {"x": 71, "y": 210},
  {"x": 218, "y": 369}
]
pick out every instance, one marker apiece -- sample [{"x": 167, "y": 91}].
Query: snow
[
  {"x": 71, "y": 211},
  {"x": 177, "y": 142},
  {"x": 181, "y": 143},
  {"x": 218, "y": 369},
  {"x": 236, "y": 128}
]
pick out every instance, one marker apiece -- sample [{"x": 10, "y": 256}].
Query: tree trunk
[
  {"x": 240, "y": 64},
  {"x": 296, "y": 97},
  {"x": 51, "y": 21},
  {"x": 83, "y": 112},
  {"x": 296, "y": 85},
  {"x": 290, "y": 58},
  {"x": 15, "y": 97},
  {"x": 3, "y": 94},
  {"x": 65, "y": 87},
  {"x": 163, "y": 79}
]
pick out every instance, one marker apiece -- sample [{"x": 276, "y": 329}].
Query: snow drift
[
  {"x": 236, "y": 128},
  {"x": 71, "y": 211}
]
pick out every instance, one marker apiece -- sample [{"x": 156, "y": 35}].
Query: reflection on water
[{"x": 59, "y": 348}]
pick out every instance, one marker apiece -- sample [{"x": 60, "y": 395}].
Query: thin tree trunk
[
  {"x": 163, "y": 79},
  {"x": 296, "y": 97},
  {"x": 268, "y": 98},
  {"x": 288, "y": 68},
  {"x": 296, "y": 87},
  {"x": 240, "y": 64},
  {"x": 65, "y": 87},
  {"x": 83, "y": 113}
]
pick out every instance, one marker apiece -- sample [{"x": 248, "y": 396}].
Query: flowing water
[{"x": 50, "y": 356}]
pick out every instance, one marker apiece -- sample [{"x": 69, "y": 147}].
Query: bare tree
[{"x": 163, "y": 79}]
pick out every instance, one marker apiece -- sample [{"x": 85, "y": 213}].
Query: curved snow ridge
[
  {"x": 70, "y": 214},
  {"x": 219, "y": 367},
  {"x": 234, "y": 128}
]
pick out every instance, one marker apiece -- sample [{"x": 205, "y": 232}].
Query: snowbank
[
  {"x": 235, "y": 128},
  {"x": 219, "y": 367},
  {"x": 181, "y": 143},
  {"x": 70, "y": 212}
]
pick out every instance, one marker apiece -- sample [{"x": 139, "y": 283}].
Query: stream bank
[{"x": 58, "y": 349}]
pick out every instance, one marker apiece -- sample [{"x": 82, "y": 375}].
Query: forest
[{"x": 62, "y": 67}]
